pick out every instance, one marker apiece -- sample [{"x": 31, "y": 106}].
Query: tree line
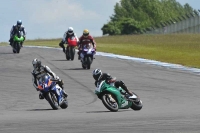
[{"x": 139, "y": 16}]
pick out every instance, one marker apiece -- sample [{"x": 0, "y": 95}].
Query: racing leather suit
[
  {"x": 43, "y": 70},
  {"x": 85, "y": 40},
  {"x": 118, "y": 83},
  {"x": 65, "y": 38},
  {"x": 14, "y": 30}
]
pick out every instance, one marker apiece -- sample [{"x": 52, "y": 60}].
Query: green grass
[{"x": 181, "y": 49}]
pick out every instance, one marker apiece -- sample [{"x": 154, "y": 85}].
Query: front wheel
[
  {"x": 89, "y": 62},
  {"x": 67, "y": 54},
  {"x": 18, "y": 47},
  {"x": 109, "y": 102},
  {"x": 51, "y": 98}
]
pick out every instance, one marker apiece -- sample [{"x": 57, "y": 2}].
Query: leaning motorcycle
[
  {"x": 87, "y": 55},
  {"x": 52, "y": 92},
  {"x": 70, "y": 49},
  {"x": 17, "y": 42},
  {"x": 116, "y": 98}
]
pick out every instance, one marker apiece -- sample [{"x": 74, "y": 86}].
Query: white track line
[{"x": 147, "y": 61}]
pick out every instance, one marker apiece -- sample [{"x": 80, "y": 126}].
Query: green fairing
[
  {"x": 115, "y": 92},
  {"x": 17, "y": 39}
]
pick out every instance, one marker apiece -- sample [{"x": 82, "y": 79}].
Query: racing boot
[
  {"x": 10, "y": 40},
  {"x": 41, "y": 96},
  {"x": 61, "y": 44},
  {"x": 61, "y": 84},
  {"x": 127, "y": 90},
  {"x": 79, "y": 55},
  {"x": 22, "y": 44}
]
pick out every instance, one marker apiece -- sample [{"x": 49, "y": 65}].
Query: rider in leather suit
[
  {"x": 67, "y": 34},
  {"x": 85, "y": 39},
  {"x": 99, "y": 76},
  {"x": 15, "y": 29},
  {"x": 40, "y": 71}
]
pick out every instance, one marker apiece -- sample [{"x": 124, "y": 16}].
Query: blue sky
[{"x": 51, "y": 18}]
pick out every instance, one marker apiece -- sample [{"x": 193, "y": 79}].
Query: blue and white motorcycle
[
  {"x": 52, "y": 92},
  {"x": 87, "y": 55}
]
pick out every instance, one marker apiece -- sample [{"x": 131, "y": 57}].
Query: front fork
[{"x": 59, "y": 94}]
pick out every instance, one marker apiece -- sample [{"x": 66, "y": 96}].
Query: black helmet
[
  {"x": 36, "y": 64},
  {"x": 97, "y": 74}
]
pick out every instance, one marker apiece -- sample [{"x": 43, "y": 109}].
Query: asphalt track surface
[{"x": 171, "y": 98}]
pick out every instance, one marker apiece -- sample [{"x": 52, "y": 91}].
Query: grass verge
[{"x": 181, "y": 49}]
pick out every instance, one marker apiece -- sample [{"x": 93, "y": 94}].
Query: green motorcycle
[
  {"x": 17, "y": 43},
  {"x": 116, "y": 98}
]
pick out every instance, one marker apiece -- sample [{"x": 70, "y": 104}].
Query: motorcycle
[
  {"x": 116, "y": 98},
  {"x": 87, "y": 55},
  {"x": 17, "y": 42},
  {"x": 52, "y": 92},
  {"x": 70, "y": 49}
]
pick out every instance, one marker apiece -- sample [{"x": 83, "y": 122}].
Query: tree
[{"x": 133, "y": 16}]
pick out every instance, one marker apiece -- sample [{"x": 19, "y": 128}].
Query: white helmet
[{"x": 70, "y": 30}]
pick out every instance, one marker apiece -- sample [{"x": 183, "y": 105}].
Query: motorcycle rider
[
  {"x": 85, "y": 39},
  {"x": 69, "y": 33},
  {"x": 99, "y": 76},
  {"x": 15, "y": 29},
  {"x": 39, "y": 71}
]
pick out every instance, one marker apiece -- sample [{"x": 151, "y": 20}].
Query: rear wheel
[
  {"x": 67, "y": 54},
  {"x": 136, "y": 105},
  {"x": 136, "y": 102},
  {"x": 72, "y": 53},
  {"x": 51, "y": 98},
  {"x": 64, "y": 105},
  {"x": 109, "y": 102},
  {"x": 84, "y": 67}
]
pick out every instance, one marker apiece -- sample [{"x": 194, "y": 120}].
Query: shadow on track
[
  {"x": 39, "y": 109},
  {"x": 76, "y": 69},
  {"x": 107, "y": 111},
  {"x": 6, "y": 53},
  {"x": 60, "y": 60}
]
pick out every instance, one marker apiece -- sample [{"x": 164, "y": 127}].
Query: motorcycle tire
[
  {"x": 110, "y": 106},
  {"x": 18, "y": 47},
  {"x": 72, "y": 53},
  {"x": 51, "y": 98},
  {"x": 136, "y": 105},
  {"x": 84, "y": 67},
  {"x": 67, "y": 54},
  {"x": 89, "y": 62},
  {"x": 64, "y": 105}
]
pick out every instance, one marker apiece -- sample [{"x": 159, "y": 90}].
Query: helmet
[
  {"x": 97, "y": 74},
  {"x": 70, "y": 31},
  {"x": 19, "y": 23},
  {"x": 85, "y": 33},
  {"x": 36, "y": 64}
]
